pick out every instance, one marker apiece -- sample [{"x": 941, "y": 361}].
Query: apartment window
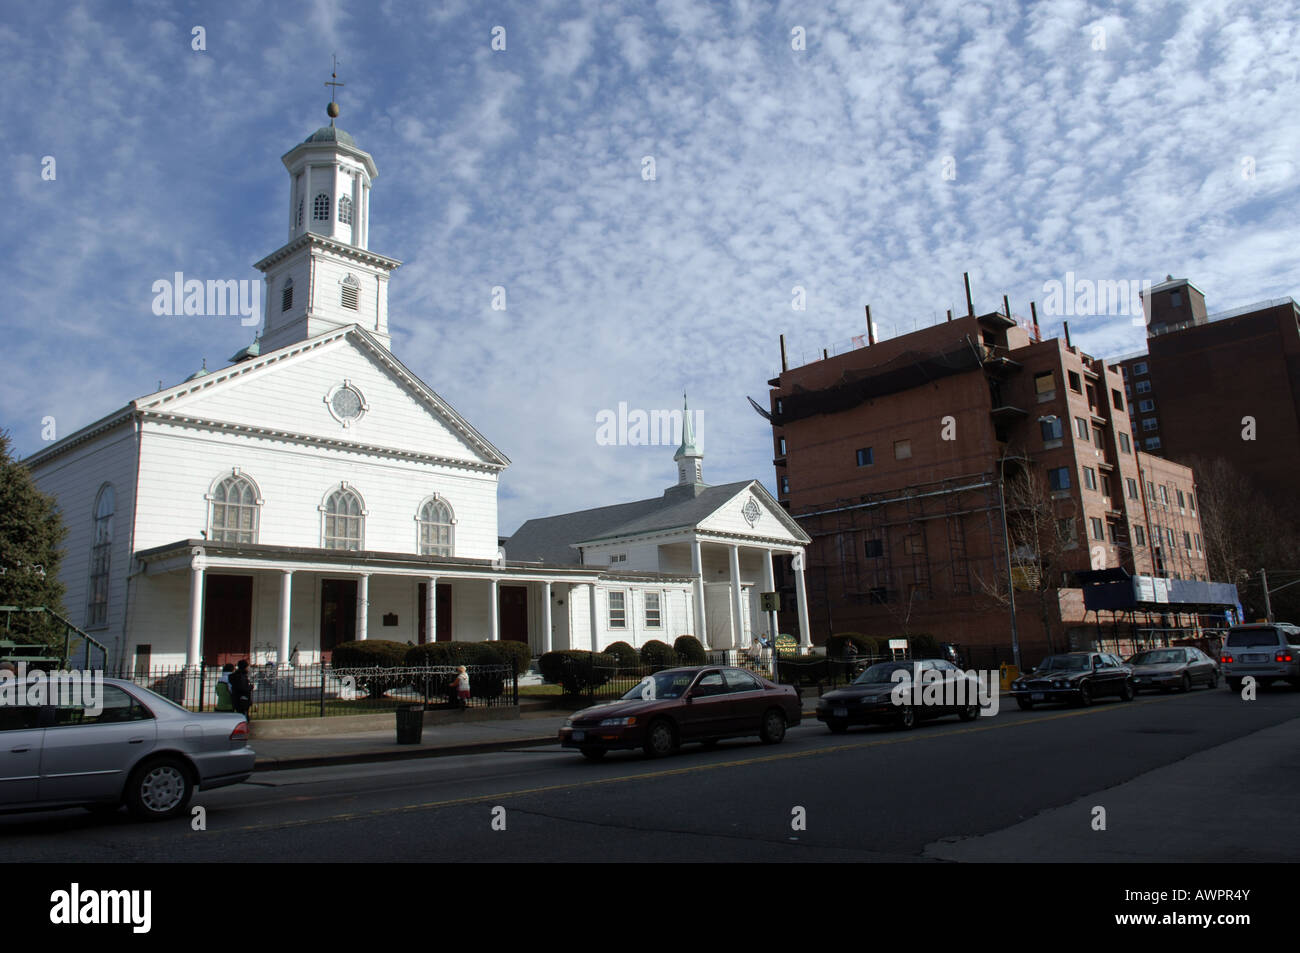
[
  {"x": 879, "y": 595},
  {"x": 1187, "y": 541},
  {"x": 653, "y": 614},
  {"x": 1045, "y": 386},
  {"x": 1113, "y": 528},
  {"x": 1151, "y": 443},
  {"x": 1191, "y": 502},
  {"x": 1099, "y": 438},
  {"x": 1198, "y": 542},
  {"x": 1150, "y": 423},
  {"x": 1131, "y": 485},
  {"x": 1081, "y": 428},
  {"x": 1151, "y": 491},
  {"x": 1089, "y": 478},
  {"x": 1117, "y": 398},
  {"x": 1144, "y": 387},
  {"x": 1052, "y": 429},
  {"x": 875, "y": 548},
  {"x": 780, "y": 406},
  {"x": 1146, "y": 406},
  {"x": 1124, "y": 370},
  {"x": 617, "y": 609},
  {"x": 1076, "y": 383},
  {"x": 100, "y": 551},
  {"x": 1139, "y": 369},
  {"x": 902, "y": 449},
  {"x": 1164, "y": 495},
  {"x": 1059, "y": 478},
  {"x": 1105, "y": 487},
  {"x": 780, "y": 446},
  {"x": 1182, "y": 500},
  {"x": 1125, "y": 445},
  {"x": 785, "y": 486},
  {"x": 1175, "y": 300},
  {"x": 1065, "y": 531},
  {"x": 1098, "y": 529},
  {"x": 1139, "y": 536},
  {"x": 866, "y": 457}
]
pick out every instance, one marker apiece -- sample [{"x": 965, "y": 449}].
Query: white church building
[{"x": 316, "y": 490}]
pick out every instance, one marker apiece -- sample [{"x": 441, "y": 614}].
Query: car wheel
[
  {"x": 1126, "y": 692},
  {"x": 1234, "y": 684},
  {"x": 837, "y": 727},
  {"x": 1025, "y": 703},
  {"x": 906, "y": 718},
  {"x": 661, "y": 740},
  {"x": 969, "y": 713},
  {"x": 1085, "y": 694},
  {"x": 159, "y": 789},
  {"x": 1185, "y": 685},
  {"x": 593, "y": 754},
  {"x": 773, "y": 729}
]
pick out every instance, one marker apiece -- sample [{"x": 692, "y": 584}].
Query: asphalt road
[{"x": 1198, "y": 777}]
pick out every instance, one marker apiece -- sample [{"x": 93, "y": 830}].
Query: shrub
[
  {"x": 508, "y": 649},
  {"x": 481, "y": 684},
  {"x": 371, "y": 653},
  {"x": 577, "y": 670},
  {"x": 658, "y": 654},
  {"x": 629, "y": 662},
  {"x": 690, "y": 650},
  {"x": 808, "y": 669},
  {"x": 836, "y": 644}
]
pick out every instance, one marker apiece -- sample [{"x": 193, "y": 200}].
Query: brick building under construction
[{"x": 931, "y": 468}]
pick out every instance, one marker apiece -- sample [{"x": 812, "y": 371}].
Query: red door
[
  {"x": 338, "y": 614},
  {"x": 512, "y": 606},
  {"x": 227, "y": 619},
  {"x": 443, "y": 608}
]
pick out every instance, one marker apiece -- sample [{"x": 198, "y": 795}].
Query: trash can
[{"x": 410, "y": 724}]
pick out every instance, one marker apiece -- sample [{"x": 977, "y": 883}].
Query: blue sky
[{"x": 905, "y": 144}]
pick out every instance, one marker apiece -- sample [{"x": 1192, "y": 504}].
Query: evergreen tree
[{"x": 31, "y": 533}]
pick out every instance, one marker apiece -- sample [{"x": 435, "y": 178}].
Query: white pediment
[{"x": 754, "y": 512}]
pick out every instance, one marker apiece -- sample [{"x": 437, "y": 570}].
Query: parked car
[
  {"x": 681, "y": 705},
  {"x": 141, "y": 750},
  {"x": 1267, "y": 652},
  {"x": 1179, "y": 667},
  {"x": 1078, "y": 677},
  {"x": 870, "y": 699}
]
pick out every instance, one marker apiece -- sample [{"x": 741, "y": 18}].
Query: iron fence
[{"x": 317, "y": 691}]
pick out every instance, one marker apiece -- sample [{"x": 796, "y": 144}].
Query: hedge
[
  {"x": 690, "y": 650},
  {"x": 629, "y": 662},
  {"x": 371, "y": 653},
  {"x": 659, "y": 654},
  {"x": 577, "y": 670},
  {"x": 836, "y": 644}
]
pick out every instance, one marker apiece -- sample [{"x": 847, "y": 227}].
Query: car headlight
[
  {"x": 618, "y": 722},
  {"x": 568, "y": 722}
]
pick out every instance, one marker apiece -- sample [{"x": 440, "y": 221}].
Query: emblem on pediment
[{"x": 751, "y": 511}]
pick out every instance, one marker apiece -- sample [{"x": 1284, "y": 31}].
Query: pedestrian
[
  {"x": 461, "y": 686},
  {"x": 225, "y": 701},
  {"x": 241, "y": 689}
]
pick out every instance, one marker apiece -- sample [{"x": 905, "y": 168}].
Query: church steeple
[
  {"x": 325, "y": 277},
  {"x": 689, "y": 459}
]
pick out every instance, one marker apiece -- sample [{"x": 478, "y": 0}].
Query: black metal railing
[{"x": 316, "y": 691}]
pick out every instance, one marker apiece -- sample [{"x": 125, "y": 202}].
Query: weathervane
[{"x": 333, "y": 108}]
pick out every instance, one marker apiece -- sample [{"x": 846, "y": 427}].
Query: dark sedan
[
  {"x": 1077, "y": 677},
  {"x": 681, "y": 705},
  {"x": 1179, "y": 668},
  {"x": 872, "y": 698}
]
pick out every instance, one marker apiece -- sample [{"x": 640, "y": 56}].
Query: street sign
[{"x": 770, "y": 601}]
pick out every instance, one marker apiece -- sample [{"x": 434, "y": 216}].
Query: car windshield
[
  {"x": 1158, "y": 657},
  {"x": 882, "y": 673},
  {"x": 1246, "y": 638},
  {"x": 661, "y": 685},
  {"x": 1064, "y": 663}
]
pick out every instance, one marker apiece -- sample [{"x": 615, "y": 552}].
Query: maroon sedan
[{"x": 681, "y": 705}]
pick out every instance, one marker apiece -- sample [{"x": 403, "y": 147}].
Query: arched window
[
  {"x": 345, "y": 210},
  {"x": 286, "y": 296},
  {"x": 100, "y": 552},
  {"x": 235, "y": 503},
  {"x": 320, "y": 210},
  {"x": 344, "y": 519},
  {"x": 437, "y": 528},
  {"x": 351, "y": 289}
]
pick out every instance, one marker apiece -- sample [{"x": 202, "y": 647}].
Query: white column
[
  {"x": 595, "y": 621},
  {"x": 363, "y": 606},
  {"x": 701, "y": 620},
  {"x": 801, "y": 593},
  {"x": 286, "y": 597},
  {"x": 769, "y": 585},
  {"x": 737, "y": 601},
  {"x": 431, "y": 609},
  {"x": 195, "y": 655},
  {"x": 546, "y": 617},
  {"x": 494, "y": 617}
]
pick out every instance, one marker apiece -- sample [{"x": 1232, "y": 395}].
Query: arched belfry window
[
  {"x": 100, "y": 557},
  {"x": 345, "y": 517},
  {"x": 437, "y": 528},
  {"x": 235, "y": 505},
  {"x": 286, "y": 296},
  {"x": 345, "y": 210},
  {"x": 351, "y": 289},
  {"x": 321, "y": 208}
]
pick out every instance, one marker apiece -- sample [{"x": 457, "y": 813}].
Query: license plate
[
  {"x": 1255, "y": 658},
  {"x": 1038, "y": 696},
  {"x": 579, "y": 735},
  {"x": 841, "y": 713}
]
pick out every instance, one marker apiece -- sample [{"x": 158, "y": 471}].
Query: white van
[{"x": 1265, "y": 651}]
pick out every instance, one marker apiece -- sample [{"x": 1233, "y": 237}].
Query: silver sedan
[{"x": 134, "y": 747}]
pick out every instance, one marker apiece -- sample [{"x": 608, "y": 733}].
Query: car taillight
[
  {"x": 240, "y": 733},
  {"x": 1282, "y": 657},
  {"x": 1225, "y": 658}
]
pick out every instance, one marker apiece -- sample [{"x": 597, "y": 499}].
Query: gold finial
[{"x": 332, "y": 110}]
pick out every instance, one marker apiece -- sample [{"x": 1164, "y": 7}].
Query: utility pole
[
  {"x": 1268, "y": 604},
  {"x": 1011, "y": 580}
]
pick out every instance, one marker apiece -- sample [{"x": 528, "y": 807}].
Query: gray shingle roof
[{"x": 550, "y": 539}]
